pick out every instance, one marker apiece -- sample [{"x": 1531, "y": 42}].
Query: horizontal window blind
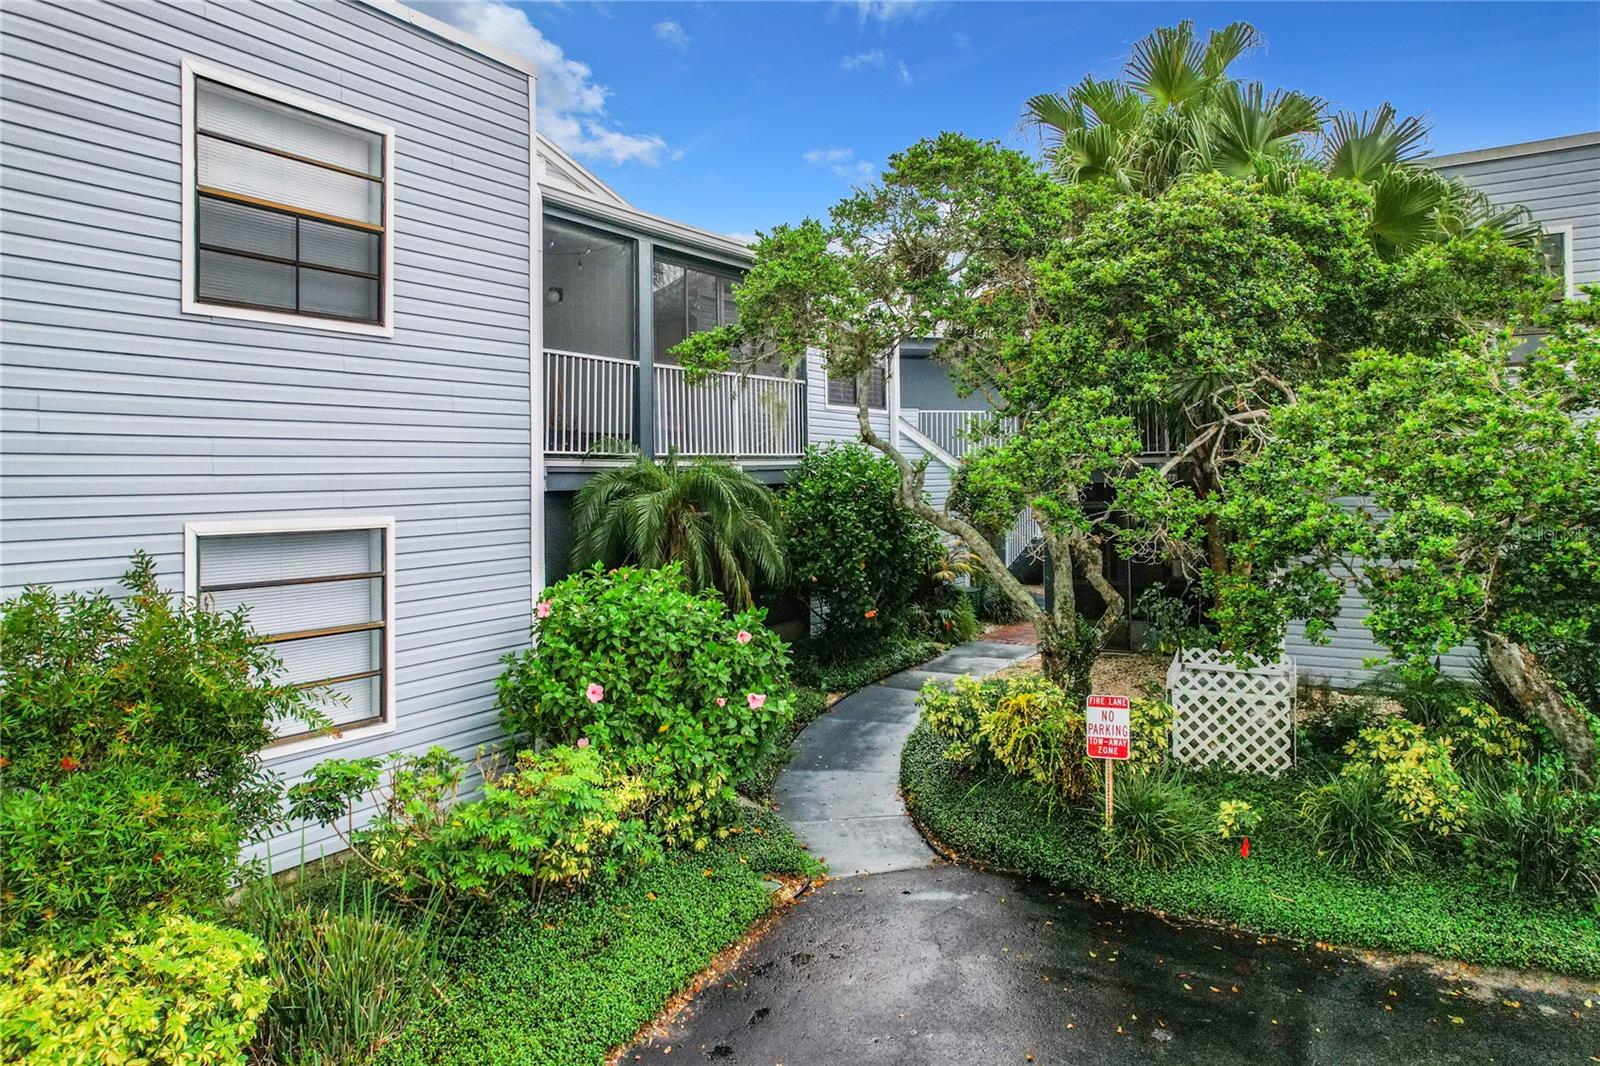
[
  {"x": 318, "y": 598},
  {"x": 842, "y": 391},
  {"x": 289, "y": 208}
]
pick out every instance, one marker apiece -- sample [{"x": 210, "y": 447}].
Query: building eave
[
  {"x": 443, "y": 30},
  {"x": 1511, "y": 151},
  {"x": 719, "y": 245}
]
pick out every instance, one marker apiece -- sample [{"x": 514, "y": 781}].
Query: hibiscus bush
[{"x": 662, "y": 681}]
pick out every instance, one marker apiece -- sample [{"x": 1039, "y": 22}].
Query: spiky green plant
[{"x": 711, "y": 516}]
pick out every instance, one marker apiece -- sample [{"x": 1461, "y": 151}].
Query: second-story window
[
  {"x": 842, "y": 391},
  {"x": 687, "y": 300},
  {"x": 289, "y": 208}
]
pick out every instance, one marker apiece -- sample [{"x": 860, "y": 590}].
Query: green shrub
[
  {"x": 852, "y": 546},
  {"x": 954, "y": 713},
  {"x": 1026, "y": 724},
  {"x": 1330, "y": 720},
  {"x": 1160, "y": 821},
  {"x": 102, "y": 847},
  {"x": 86, "y": 680},
  {"x": 1537, "y": 831},
  {"x": 661, "y": 680},
  {"x": 1236, "y": 818},
  {"x": 949, "y": 617},
  {"x": 832, "y": 664},
  {"x": 1482, "y": 738},
  {"x": 1030, "y": 732},
  {"x": 992, "y": 604},
  {"x": 559, "y": 817},
  {"x": 178, "y": 992},
  {"x": 1416, "y": 774},
  {"x": 346, "y": 978},
  {"x": 1352, "y": 822},
  {"x": 1425, "y": 695}
]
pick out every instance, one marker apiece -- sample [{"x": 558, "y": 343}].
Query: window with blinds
[
  {"x": 288, "y": 208},
  {"x": 319, "y": 599},
  {"x": 842, "y": 391}
]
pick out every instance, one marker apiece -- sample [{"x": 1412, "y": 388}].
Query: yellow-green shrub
[
  {"x": 176, "y": 993},
  {"x": 1482, "y": 735},
  {"x": 1036, "y": 736},
  {"x": 1416, "y": 773},
  {"x": 1027, "y": 725}
]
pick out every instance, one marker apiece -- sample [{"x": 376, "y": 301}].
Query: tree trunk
[
  {"x": 1067, "y": 659},
  {"x": 1525, "y": 676}
]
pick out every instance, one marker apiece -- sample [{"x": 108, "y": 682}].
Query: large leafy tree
[
  {"x": 1176, "y": 112},
  {"x": 709, "y": 515},
  {"x": 1459, "y": 493}
]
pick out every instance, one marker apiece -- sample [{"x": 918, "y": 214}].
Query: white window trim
[
  {"x": 193, "y": 531},
  {"x": 192, "y": 69},
  {"x": 1568, "y": 289}
]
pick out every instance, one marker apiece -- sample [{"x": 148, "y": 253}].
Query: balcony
[
  {"x": 954, "y": 431},
  {"x": 592, "y": 411}
]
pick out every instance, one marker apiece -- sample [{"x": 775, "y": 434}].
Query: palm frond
[
  {"x": 1360, "y": 147},
  {"x": 1405, "y": 209},
  {"x": 1166, "y": 65},
  {"x": 1226, "y": 45}
]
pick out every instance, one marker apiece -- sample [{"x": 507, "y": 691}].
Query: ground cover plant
[
  {"x": 561, "y": 985},
  {"x": 1459, "y": 839}
]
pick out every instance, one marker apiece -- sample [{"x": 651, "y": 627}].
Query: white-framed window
[
  {"x": 288, "y": 206},
  {"x": 842, "y": 391},
  {"x": 321, "y": 593},
  {"x": 1556, "y": 246}
]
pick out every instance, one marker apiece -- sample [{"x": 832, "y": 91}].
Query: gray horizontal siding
[
  {"x": 124, "y": 419},
  {"x": 936, "y": 478},
  {"x": 1342, "y": 661},
  {"x": 825, "y": 423},
  {"x": 1561, "y": 186}
]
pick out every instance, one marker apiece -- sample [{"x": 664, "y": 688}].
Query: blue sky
[{"x": 737, "y": 116}]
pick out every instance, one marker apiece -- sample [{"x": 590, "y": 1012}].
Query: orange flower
[{"x": 872, "y": 613}]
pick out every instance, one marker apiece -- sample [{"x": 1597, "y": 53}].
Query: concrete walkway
[{"x": 841, "y": 789}]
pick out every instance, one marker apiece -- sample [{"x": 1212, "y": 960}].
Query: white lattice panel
[{"x": 1241, "y": 718}]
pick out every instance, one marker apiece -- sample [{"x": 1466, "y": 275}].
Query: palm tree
[
  {"x": 1176, "y": 112},
  {"x": 711, "y": 516}
]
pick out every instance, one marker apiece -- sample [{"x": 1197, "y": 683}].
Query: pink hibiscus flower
[
  {"x": 543, "y": 609},
  {"x": 744, "y": 636},
  {"x": 596, "y": 693},
  {"x": 722, "y": 701},
  {"x": 756, "y": 699},
  {"x": 583, "y": 742}
]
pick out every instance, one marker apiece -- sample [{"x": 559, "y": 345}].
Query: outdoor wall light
[{"x": 553, "y": 295}]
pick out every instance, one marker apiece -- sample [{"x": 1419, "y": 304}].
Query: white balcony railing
[
  {"x": 588, "y": 403},
  {"x": 750, "y": 416},
  {"x": 954, "y": 430}
]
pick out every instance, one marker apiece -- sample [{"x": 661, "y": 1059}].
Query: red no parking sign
[{"x": 1106, "y": 727}]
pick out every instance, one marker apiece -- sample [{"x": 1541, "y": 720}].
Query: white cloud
[
  {"x": 863, "y": 60},
  {"x": 887, "y": 11},
  {"x": 843, "y": 163},
  {"x": 572, "y": 105},
  {"x": 670, "y": 33},
  {"x": 818, "y": 156},
  {"x": 904, "y": 71}
]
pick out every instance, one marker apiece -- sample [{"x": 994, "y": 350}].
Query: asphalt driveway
[{"x": 947, "y": 965}]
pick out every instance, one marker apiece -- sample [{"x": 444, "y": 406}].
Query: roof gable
[{"x": 561, "y": 171}]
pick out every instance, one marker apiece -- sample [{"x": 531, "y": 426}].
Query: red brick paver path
[{"x": 1020, "y": 633}]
